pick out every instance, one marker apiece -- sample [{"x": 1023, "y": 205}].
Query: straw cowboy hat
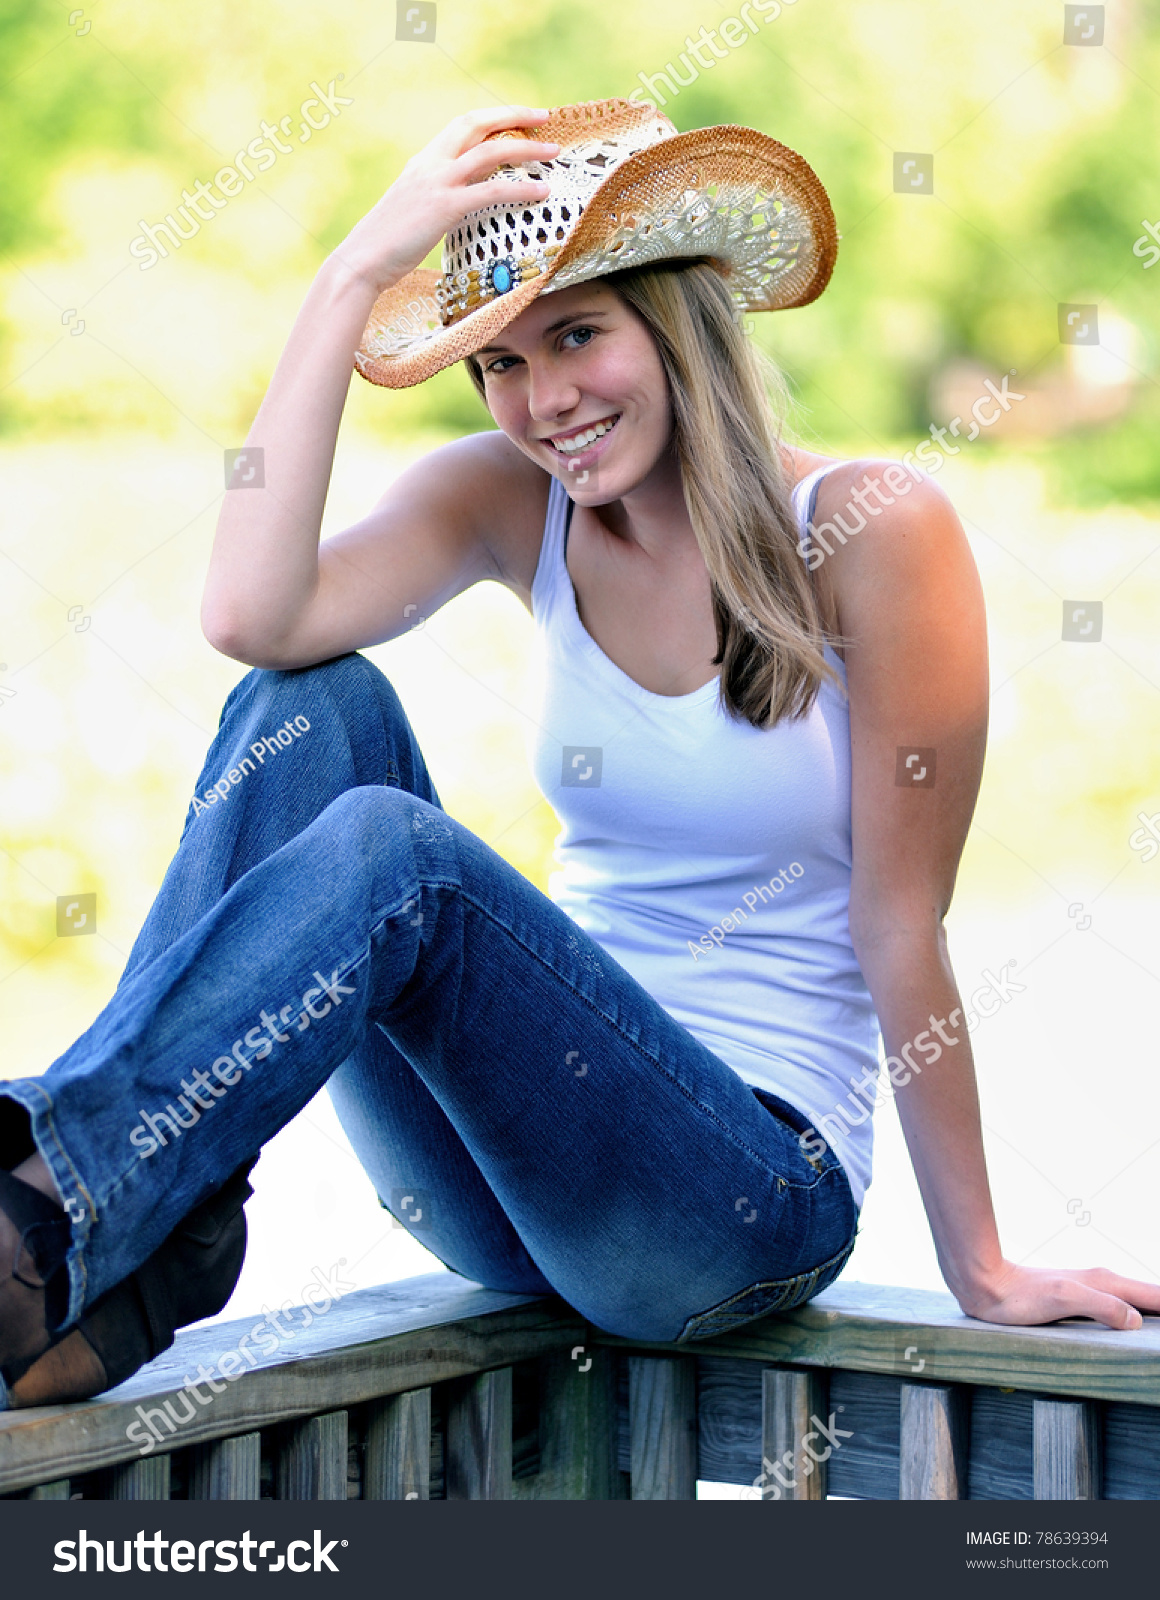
[{"x": 626, "y": 190}]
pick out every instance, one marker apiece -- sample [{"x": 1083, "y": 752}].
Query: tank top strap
[{"x": 805, "y": 496}]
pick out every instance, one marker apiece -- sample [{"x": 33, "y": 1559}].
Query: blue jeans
[{"x": 325, "y": 921}]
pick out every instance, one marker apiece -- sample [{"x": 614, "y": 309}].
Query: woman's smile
[{"x": 582, "y": 446}]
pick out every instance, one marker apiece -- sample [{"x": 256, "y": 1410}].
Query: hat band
[{"x": 458, "y": 294}]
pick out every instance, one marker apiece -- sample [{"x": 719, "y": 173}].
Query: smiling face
[{"x": 576, "y": 382}]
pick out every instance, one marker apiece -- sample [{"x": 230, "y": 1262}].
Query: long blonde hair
[{"x": 727, "y": 439}]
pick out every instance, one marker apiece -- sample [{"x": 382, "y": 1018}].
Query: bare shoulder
[
  {"x": 877, "y": 491},
  {"x": 883, "y": 530},
  {"x": 491, "y": 491}
]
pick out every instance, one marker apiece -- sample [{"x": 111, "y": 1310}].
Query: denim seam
[
  {"x": 835, "y": 1263},
  {"x": 344, "y": 968}
]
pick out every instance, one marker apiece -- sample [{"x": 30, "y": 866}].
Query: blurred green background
[{"x": 121, "y": 389}]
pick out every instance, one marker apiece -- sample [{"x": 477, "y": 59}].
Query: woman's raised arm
[{"x": 264, "y": 600}]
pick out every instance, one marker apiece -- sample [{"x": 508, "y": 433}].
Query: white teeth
[{"x": 581, "y": 441}]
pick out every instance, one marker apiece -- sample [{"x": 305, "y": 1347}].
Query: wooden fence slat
[
  {"x": 60, "y": 1490},
  {"x": 1131, "y": 1450},
  {"x": 312, "y": 1460},
  {"x": 1068, "y": 1450},
  {"x": 227, "y": 1469},
  {"x": 662, "y": 1405},
  {"x": 144, "y": 1479},
  {"x": 793, "y": 1401},
  {"x": 578, "y": 1428},
  {"x": 397, "y": 1464},
  {"x": 934, "y": 1440},
  {"x": 477, "y": 1445}
]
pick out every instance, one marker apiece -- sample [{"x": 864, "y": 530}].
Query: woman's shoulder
[
  {"x": 881, "y": 528},
  {"x": 869, "y": 488}
]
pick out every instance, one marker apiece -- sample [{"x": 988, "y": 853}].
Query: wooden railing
[{"x": 433, "y": 1388}]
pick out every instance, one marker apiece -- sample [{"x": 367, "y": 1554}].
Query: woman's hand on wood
[{"x": 1024, "y": 1296}]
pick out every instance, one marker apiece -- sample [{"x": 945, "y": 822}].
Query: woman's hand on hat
[{"x": 440, "y": 185}]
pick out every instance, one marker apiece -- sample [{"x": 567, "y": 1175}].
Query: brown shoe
[{"x": 189, "y": 1276}]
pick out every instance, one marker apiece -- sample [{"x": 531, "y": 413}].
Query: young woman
[{"x": 763, "y": 734}]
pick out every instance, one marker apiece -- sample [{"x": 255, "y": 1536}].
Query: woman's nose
[{"x": 551, "y": 395}]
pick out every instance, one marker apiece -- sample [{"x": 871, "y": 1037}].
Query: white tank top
[{"x": 710, "y": 858}]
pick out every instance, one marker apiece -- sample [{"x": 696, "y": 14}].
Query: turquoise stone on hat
[{"x": 500, "y": 275}]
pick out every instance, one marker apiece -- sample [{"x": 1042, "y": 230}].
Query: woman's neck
[{"x": 653, "y": 515}]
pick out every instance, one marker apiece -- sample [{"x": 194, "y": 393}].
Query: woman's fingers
[
  {"x": 1106, "y": 1308},
  {"x": 472, "y": 126},
  {"x": 1134, "y": 1291},
  {"x": 444, "y": 183},
  {"x": 502, "y": 192},
  {"x": 483, "y": 159}
]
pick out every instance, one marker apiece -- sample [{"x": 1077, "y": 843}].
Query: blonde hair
[{"x": 727, "y": 439}]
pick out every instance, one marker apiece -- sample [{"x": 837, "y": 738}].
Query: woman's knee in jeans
[
  {"x": 393, "y": 830},
  {"x": 368, "y": 809},
  {"x": 351, "y": 669}
]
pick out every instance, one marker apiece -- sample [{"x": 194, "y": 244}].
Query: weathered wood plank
[
  {"x": 1068, "y": 1453},
  {"x": 663, "y": 1427},
  {"x": 578, "y": 1428},
  {"x": 477, "y": 1443},
  {"x": 374, "y": 1342},
  {"x": 312, "y": 1459},
  {"x": 227, "y": 1469},
  {"x": 865, "y": 1405},
  {"x": 793, "y": 1458},
  {"x": 1131, "y": 1453},
  {"x": 145, "y": 1479},
  {"x": 728, "y": 1420},
  {"x": 874, "y": 1328},
  {"x": 438, "y": 1418},
  {"x": 525, "y": 1427},
  {"x": 397, "y": 1462},
  {"x": 868, "y": 1465},
  {"x": 934, "y": 1427},
  {"x": 1001, "y": 1465}
]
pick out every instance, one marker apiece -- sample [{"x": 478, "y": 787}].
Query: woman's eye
[
  {"x": 581, "y": 334},
  {"x": 498, "y": 365}
]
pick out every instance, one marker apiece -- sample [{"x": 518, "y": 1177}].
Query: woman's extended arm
[
  {"x": 909, "y": 600},
  {"x": 269, "y": 599}
]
